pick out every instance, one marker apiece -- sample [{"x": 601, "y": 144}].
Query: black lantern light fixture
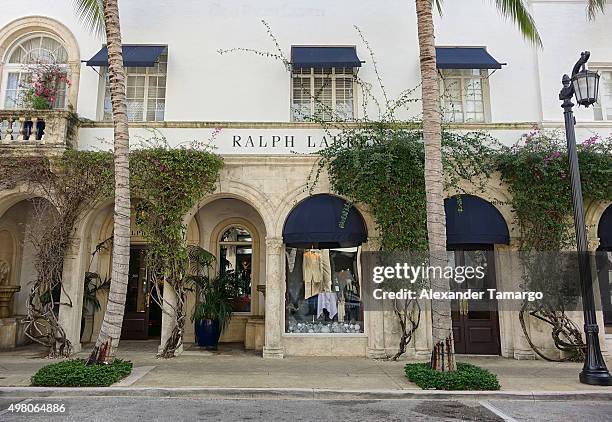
[{"x": 584, "y": 84}]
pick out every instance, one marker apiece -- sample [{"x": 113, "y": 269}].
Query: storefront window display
[
  {"x": 236, "y": 257},
  {"x": 323, "y": 291}
]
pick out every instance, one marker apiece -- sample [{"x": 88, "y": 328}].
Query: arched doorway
[
  {"x": 233, "y": 231},
  {"x": 142, "y": 317},
  {"x": 473, "y": 228}
]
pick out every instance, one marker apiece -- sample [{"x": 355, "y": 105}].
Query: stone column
[
  {"x": 73, "y": 91},
  {"x": 423, "y": 342},
  {"x": 190, "y": 302},
  {"x": 509, "y": 271},
  {"x": 274, "y": 288},
  {"x": 375, "y": 318},
  {"x": 71, "y": 301},
  {"x": 168, "y": 318}
]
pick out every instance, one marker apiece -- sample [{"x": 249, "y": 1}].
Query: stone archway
[
  {"x": 215, "y": 215},
  {"x": 22, "y": 215}
]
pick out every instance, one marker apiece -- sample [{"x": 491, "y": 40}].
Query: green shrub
[
  {"x": 75, "y": 373},
  {"x": 466, "y": 377}
]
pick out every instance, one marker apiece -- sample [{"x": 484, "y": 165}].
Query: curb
[{"x": 302, "y": 393}]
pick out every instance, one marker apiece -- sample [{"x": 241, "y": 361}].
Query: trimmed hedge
[
  {"x": 75, "y": 373},
  {"x": 466, "y": 377}
]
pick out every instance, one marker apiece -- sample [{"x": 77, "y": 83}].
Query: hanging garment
[
  {"x": 290, "y": 253},
  {"x": 329, "y": 301},
  {"x": 317, "y": 272},
  {"x": 341, "y": 310},
  {"x": 311, "y": 267},
  {"x": 295, "y": 279},
  {"x": 326, "y": 271}
]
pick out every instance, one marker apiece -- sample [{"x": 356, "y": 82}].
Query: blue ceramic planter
[{"x": 208, "y": 333}]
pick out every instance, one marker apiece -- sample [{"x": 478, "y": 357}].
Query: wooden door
[
  {"x": 136, "y": 316},
  {"x": 604, "y": 276},
  {"x": 475, "y": 322}
]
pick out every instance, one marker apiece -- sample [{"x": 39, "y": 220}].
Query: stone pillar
[
  {"x": 509, "y": 272},
  {"x": 71, "y": 301},
  {"x": 375, "y": 318},
  {"x": 190, "y": 302},
  {"x": 274, "y": 288},
  {"x": 168, "y": 318},
  {"x": 423, "y": 342}
]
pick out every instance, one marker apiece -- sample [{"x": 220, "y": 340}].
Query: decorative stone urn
[{"x": 6, "y": 294}]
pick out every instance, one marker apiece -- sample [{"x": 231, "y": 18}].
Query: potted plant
[
  {"x": 92, "y": 285},
  {"x": 215, "y": 295}
]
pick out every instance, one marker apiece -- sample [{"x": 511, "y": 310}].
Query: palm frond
[
  {"x": 595, "y": 6},
  {"x": 199, "y": 259},
  {"x": 91, "y": 14},
  {"x": 438, "y": 6},
  {"x": 516, "y": 10}
]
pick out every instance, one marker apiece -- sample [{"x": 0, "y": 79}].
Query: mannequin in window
[{"x": 245, "y": 277}]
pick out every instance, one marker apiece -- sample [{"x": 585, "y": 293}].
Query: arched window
[
  {"x": 236, "y": 258},
  {"x": 29, "y": 59},
  {"x": 322, "y": 267}
]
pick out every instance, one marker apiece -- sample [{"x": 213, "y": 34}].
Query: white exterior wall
[{"x": 206, "y": 86}]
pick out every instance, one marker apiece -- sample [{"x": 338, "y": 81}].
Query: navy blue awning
[
  {"x": 133, "y": 55},
  {"x": 474, "y": 221},
  {"x": 324, "y": 57},
  {"x": 465, "y": 58},
  {"x": 315, "y": 223},
  {"x": 604, "y": 229}
]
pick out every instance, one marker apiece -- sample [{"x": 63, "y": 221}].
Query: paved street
[{"x": 193, "y": 409}]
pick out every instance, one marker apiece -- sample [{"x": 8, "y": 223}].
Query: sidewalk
[{"x": 232, "y": 367}]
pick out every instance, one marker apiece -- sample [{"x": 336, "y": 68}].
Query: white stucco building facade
[{"x": 245, "y": 106}]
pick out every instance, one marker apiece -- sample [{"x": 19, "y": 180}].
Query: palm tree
[
  {"x": 103, "y": 15},
  {"x": 443, "y": 354}
]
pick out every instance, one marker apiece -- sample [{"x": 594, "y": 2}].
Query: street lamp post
[{"x": 584, "y": 84}]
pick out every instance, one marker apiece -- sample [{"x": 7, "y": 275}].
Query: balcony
[{"x": 31, "y": 132}]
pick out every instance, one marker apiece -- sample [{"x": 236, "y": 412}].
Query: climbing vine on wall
[
  {"x": 168, "y": 183},
  {"x": 536, "y": 172},
  {"x": 63, "y": 190},
  {"x": 382, "y": 167}
]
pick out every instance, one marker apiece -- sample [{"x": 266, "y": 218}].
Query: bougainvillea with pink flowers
[{"x": 46, "y": 83}]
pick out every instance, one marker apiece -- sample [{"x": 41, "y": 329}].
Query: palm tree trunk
[
  {"x": 108, "y": 338},
  {"x": 443, "y": 353}
]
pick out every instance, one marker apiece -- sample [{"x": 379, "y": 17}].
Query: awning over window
[
  {"x": 474, "y": 221},
  {"x": 604, "y": 229},
  {"x": 465, "y": 58},
  {"x": 133, "y": 55},
  {"x": 315, "y": 223},
  {"x": 324, "y": 57}
]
